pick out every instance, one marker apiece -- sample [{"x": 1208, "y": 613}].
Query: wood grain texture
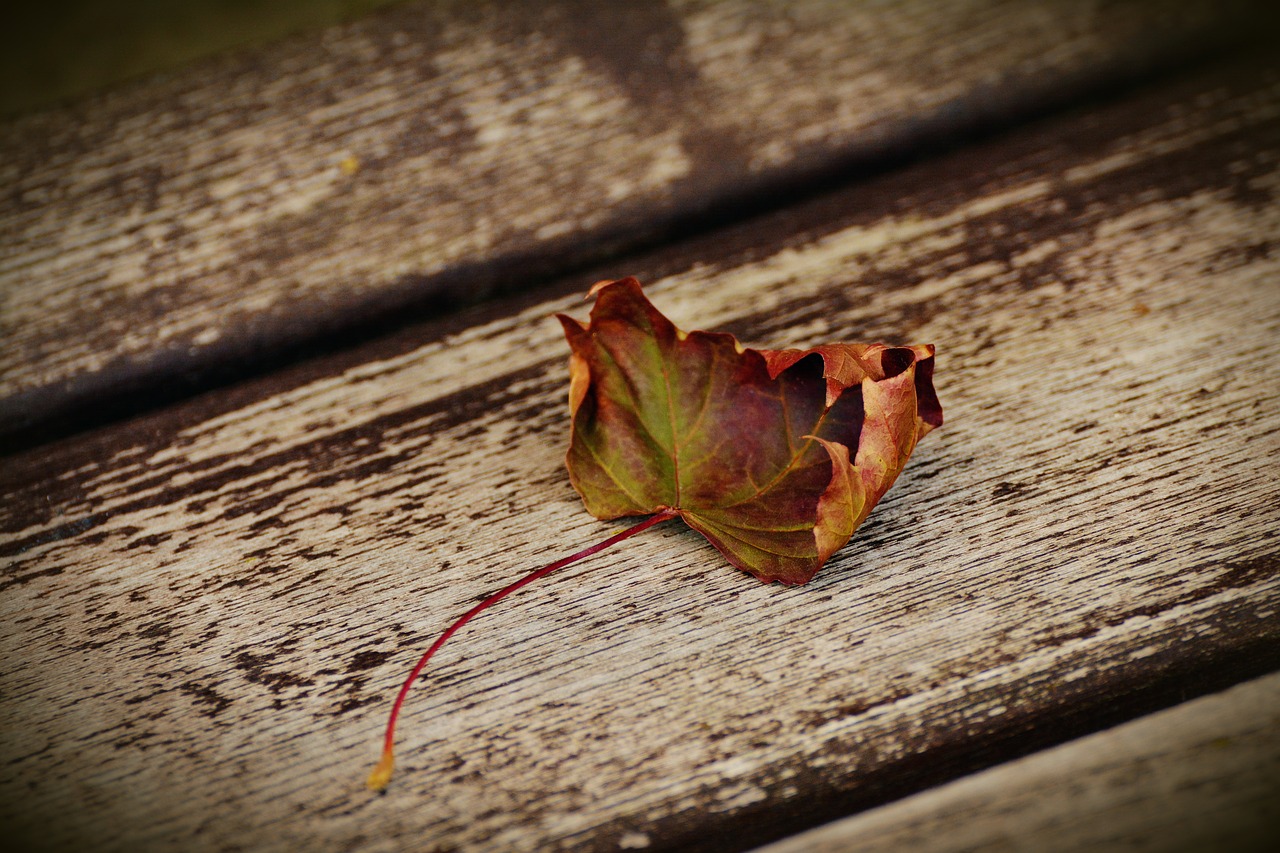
[
  {"x": 1202, "y": 776},
  {"x": 206, "y": 611},
  {"x": 204, "y": 221}
]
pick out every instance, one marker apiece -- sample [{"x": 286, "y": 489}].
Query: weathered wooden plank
[
  {"x": 201, "y": 222},
  {"x": 1201, "y": 776},
  {"x": 207, "y": 610}
]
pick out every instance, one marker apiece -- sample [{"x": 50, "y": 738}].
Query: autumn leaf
[{"x": 775, "y": 456}]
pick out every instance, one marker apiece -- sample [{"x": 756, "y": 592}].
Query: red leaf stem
[{"x": 381, "y": 774}]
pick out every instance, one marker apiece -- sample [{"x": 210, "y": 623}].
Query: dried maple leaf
[{"x": 776, "y": 456}]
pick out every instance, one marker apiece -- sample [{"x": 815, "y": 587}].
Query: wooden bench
[{"x": 282, "y": 395}]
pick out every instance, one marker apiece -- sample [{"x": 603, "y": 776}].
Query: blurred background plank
[
  {"x": 57, "y": 52},
  {"x": 207, "y": 609},
  {"x": 1201, "y": 776},
  {"x": 224, "y": 219}
]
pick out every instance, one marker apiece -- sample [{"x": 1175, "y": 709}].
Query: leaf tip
[
  {"x": 381, "y": 775},
  {"x": 571, "y": 325},
  {"x": 630, "y": 280},
  {"x": 599, "y": 286}
]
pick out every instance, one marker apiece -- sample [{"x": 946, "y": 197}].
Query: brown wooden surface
[
  {"x": 1201, "y": 776},
  {"x": 197, "y": 224},
  {"x": 206, "y": 610}
]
